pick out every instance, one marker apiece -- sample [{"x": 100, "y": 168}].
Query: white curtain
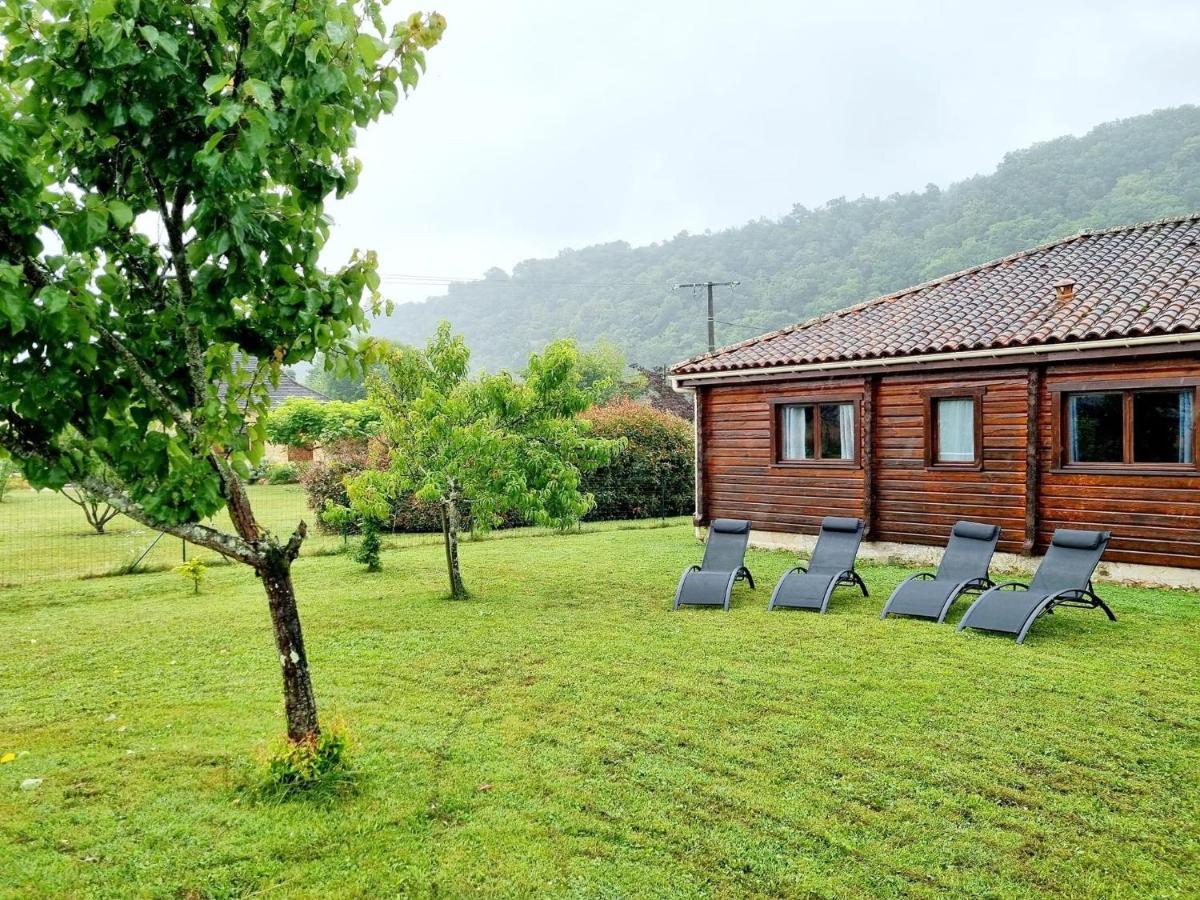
[
  {"x": 846, "y": 421},
  {"x": 956, "y": 430},
  {"x": 794, "y": 433},
  {"x": 1185, "y": 426}
]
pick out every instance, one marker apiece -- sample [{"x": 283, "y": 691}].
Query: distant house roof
[
  {"x": 1139, "y": 280},
  {"x": 290, "y": 389},
  {"x": 287, "y": 389}
]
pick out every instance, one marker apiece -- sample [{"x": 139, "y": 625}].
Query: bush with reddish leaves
[{"x": 653, "y": 476}]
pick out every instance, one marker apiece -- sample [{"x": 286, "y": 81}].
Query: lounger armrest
[
  {"x": 1010, "y": 584},
  {"x": 803, "y": 569}
]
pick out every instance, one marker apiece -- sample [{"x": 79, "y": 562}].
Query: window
[
  {"x": 816, "y": 432},
  {"x": 1151, "y": 427},
  {"x": 953, "y": 430}
]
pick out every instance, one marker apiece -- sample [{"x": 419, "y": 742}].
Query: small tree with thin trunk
[
  {"x": 95, "y": 508},
  {"x": 163, "y": 172},
  {"x": 489, "y": 445}
]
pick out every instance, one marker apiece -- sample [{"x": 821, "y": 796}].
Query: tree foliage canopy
[
  {"x": 495, "y": 442},
  {"x": 228, "y": 140},
  {"x": 304, "y": 422}
]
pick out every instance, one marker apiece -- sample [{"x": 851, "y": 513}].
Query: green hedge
[{"x": 653, "y": 475}]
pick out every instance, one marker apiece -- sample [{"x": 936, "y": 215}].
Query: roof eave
[{"x": 688, "y": 379}]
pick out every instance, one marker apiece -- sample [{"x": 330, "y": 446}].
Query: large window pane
[
  {"x": 956, "y": 429},
  {"x": 796, "y": 428},
  {"x": 1162, "y": 427},
  {"x": 1095, "y": 428},
  {"x": 837, "y": 431}
]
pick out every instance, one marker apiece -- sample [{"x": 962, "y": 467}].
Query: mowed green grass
[
  {"x": 43, "y": 535},
  {"x": 564, "y": 733}
]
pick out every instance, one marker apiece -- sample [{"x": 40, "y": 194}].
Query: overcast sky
[{"x": 545, "y": 124}]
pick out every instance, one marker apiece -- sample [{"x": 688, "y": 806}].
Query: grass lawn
[
  {"x": 564, "y": 733},
  {"x": 43, "y": 536}
]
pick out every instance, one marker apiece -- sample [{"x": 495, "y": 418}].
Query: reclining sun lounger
[
  {"x": 1064, "y": 578},
  {"x": 711, "y": 582},
  {"x": 832, "y": 563},
  {"x": 964, "y": 568}
]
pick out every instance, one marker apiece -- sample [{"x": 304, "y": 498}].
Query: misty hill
[{"x": 815, "y": 260}]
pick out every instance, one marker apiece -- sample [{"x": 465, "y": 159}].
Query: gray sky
[{"x": 543, "y": 125}]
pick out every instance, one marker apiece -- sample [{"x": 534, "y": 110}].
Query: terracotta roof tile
[{"x": 1139, "y": 280}]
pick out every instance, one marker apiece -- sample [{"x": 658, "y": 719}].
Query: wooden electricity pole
[{"x": 712, "y": 336}]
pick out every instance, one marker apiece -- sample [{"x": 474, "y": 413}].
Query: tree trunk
[
  {"x": 299, "y": 703},
  {"x": 275, "y": 570},
  {"x": 458, "y": 590}
]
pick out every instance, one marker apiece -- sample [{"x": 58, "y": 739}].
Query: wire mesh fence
[{"x": 45, "y": 537}]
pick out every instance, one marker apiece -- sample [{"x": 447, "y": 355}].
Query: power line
[{"x": 712, "y": 333}]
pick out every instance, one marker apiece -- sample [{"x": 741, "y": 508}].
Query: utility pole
[{"x": 712, "y": 336}]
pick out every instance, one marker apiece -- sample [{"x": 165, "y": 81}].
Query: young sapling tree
[{"x": 490, "y": 445}]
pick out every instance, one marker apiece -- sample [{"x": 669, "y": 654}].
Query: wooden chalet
[{"x": 1055, "y": 388}]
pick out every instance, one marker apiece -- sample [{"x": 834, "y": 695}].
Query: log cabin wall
[
  {"x": 918, "y": 502},
  {"x": 1155, "y": 518},
  {"x": 741, "y": 477}
]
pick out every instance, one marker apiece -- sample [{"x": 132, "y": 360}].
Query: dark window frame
[
  {"x": 1061, "y": 394},
  {"x": 929, "y": 398},
  {"x": 777, "y": 405}
]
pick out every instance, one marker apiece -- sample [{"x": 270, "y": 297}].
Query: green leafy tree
[
  {"x": 304, "y": 422},
  {"x": 606, "y": 376},
  {"x": 223, "y": 126},
  {"x": 491, "y": 444}
]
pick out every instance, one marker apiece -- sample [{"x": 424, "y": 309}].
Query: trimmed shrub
[
  {"x": 653, "y": 476},
  {"x": 281, "y": 473}
]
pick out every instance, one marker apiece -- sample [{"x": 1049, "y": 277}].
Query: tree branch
[
  {"x": 153, "y": 387},
  {"x": 227, "y": 545}
]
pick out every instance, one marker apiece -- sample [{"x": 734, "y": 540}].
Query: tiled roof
[
  {"x": 1133, "y": 281},
  {"x": 287, "y": 389}
]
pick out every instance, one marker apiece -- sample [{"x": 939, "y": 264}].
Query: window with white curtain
[
  {"x": 1152, "y": 427},
  {"x": 955, "y": 422},
  {"x": 816, "y": 431}
]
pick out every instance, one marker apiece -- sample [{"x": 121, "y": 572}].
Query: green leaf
[
  {"x": 101, "y": 9},
  {"x": 92, "y": 91},
  {"x": 122, "y": 215},
  {"x": 215, "y": 83},
  {"x": 141, "y": 113},
  {"x": 150, "y": 33},
  {"x": 338, "y": 32},
  {"x": 370, "y": 48},
  {"x": 261, "y": 93},
  {"x": 168, "y": 44}
]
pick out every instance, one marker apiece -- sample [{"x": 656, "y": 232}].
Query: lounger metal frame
[{"x": 1082, "y": 599}]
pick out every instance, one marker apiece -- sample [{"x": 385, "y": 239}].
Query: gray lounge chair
[
  {"x": 1064, "y": 578},
  {"x": 963, "y": 569},
  {"x": 711, "y": 582},
  {"x": 832, "y": 564}
]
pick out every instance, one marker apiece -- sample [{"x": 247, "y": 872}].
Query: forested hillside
[{"x": 815, "y": 260}]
